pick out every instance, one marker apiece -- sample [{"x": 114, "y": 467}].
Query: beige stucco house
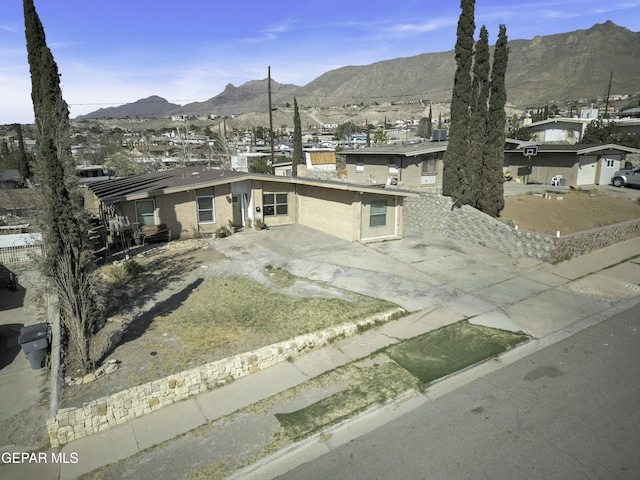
[
  {"x": 191, "y": 201},
  {"x": 417, "y": 166}
]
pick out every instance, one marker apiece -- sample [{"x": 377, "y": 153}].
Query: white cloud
[{"x": 428, "y": 26}]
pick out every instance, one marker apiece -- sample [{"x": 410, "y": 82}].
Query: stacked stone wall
[
  {"x": 437, "y": 214},
  {"x": 107, "y": 412}
]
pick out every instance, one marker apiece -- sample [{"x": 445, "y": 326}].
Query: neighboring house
[
  {"x": 630, "y": 113},
  {"x": 190, "y": 201},
  {"x": 316, "y": 160},
  {"x": 571, "y": 130},
  {"x": 417, "y": 166},
  {"x": 578, "y": 164},
  {"x": 320, "y": 159},
  {"x": 240, "y": 162},
  {"x": 559, "y": 130},
  {"x": 11, "y": 179},
  {"x": 17, "y": 203}
]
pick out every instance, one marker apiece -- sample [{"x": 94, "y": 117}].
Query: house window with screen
[
  {"x": 146, "y": 212},
  {"x": 429, "y": 166},
  {"x": 275, "y": 204},
  {"x": 206, "y": 212},
  {"x": 378, "y": 214}
]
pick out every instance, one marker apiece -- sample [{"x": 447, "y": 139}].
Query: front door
[{"x": 238, "y": 218}]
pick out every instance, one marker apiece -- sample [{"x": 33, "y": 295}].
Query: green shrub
[
  {"x": 132, "y": 268},
  {"x": 122, "y": 273}
]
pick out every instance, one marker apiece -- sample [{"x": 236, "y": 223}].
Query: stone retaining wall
[
  {"x": 437, "y": 214},
  {"x": 101, "y": 414},
  {"x": 576, "y": 244}
]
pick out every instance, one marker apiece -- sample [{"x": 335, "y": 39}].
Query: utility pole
[
  {"x": 270, "y": 114},
  {"x": 606, "y": 104}
]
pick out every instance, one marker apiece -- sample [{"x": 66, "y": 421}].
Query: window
[
  {"x": 378, "y": 215},
  {"x": 359, "y": 167},
  {"x": 275, "y": 204},
  {"x": 430, "y": 166},
  {"x": 146, "y": 212},
  {"x": 610, "y": 163},
  {"x": 206, "y": 212}
]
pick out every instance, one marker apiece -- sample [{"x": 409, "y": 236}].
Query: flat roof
[
  {"x": 189, "y": 178},
  {"x": 410, "y": 150}
]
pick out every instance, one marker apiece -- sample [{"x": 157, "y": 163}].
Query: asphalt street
[{"x": 568, "y": 411}]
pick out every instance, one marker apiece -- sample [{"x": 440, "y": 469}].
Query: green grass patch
[
  {"x": 450, "y": 349},
  {"x": 214, "y": 471},
  {"x": 365, "y": 388}
]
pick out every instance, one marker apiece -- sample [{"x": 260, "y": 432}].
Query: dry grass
[
  {"x": 568, "y": 212},
  {"x": 228, "y": 315},
  {"x": 218, "y": 317}
]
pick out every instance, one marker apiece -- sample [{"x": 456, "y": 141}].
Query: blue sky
[{"x": 114, "y": 52}]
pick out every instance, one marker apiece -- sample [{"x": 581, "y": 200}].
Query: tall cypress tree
[
  {"x": 455, "y": 182},
  {"x": 478, "y": 118},
  {"x": 298, "y": 156},
  {"x": 68, "y": 261},
  {"x": 491, "y": 201},
  {"x": 23, "y": 163}
]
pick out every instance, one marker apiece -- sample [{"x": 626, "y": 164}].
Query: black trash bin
[{"x": 34, "y": 340}]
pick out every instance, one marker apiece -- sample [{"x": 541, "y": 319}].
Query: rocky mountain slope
[
  {"x": 153, "y": 106},
  {"x": 553, "y": 68}
]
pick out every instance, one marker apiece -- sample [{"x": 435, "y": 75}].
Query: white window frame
[
  {"x": 373, "y": 215},
  {"x": 138, "y": 214},
  {"x": 212, "y": 210}
]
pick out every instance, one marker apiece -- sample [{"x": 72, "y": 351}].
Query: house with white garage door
[{"x": 575, "y": 165}]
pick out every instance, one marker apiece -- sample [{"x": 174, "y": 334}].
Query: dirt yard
[
  {"x": 569, "y": 212},
  {"x": 192, "y": 305},
  {"x": 159, "y": 329}
]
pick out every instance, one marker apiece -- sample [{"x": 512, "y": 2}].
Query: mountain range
[{"x": 553, "y": 68}]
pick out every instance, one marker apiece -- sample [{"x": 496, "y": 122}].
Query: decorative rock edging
[{"x": 98, "y": 415}]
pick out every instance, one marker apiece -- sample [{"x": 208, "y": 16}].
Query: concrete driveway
[{"x": 423, "y": 271}]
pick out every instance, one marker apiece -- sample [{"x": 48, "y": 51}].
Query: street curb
[{"x": 315, "y": 446}]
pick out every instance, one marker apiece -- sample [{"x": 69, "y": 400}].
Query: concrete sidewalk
[{"x": 438, "y": 280}]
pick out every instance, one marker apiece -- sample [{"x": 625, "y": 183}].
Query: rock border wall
[
  {"x": 104, "y": 413},
  {"x": 438, "y": 215}
]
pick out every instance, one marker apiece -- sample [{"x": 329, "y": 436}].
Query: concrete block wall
[
  {"x": 106, "y": 412},
  {"x": 436, "y": 214}
]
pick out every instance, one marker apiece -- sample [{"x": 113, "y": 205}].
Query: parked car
[{"x": 626, "y": 177}]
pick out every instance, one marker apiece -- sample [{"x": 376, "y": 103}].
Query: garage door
[{"x": 587, "y": 171}]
